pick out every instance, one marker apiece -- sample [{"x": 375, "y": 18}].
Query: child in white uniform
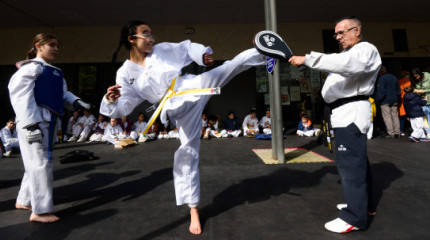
[
  {"x": 113, "y": 132},
  {"x": 87, "y": 123},
  {"x": 9, "y": 137},
  {"x": 149, "y": 74},
  {"x": 99, "y": 129},
  {"x": 250, "y": 124},
  {"x": 138, "y": 127},
  {"x": 33, "y": 117},
  {"x": 266, "y": 124}
]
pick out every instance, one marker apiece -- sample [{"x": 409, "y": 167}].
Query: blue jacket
[
  {"x": 231, "y": 124},
  {"x": 413, "y": 103},
  {"x": 387, "y": 89}
]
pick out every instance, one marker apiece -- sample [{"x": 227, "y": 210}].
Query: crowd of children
[{"x": 87, "y": 128}]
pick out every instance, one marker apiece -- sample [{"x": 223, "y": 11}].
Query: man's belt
[
  {"x": 171, "y": 93},
  {"x": 343, "y": 101}
]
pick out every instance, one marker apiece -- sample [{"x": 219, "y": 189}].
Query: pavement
[{"x": 129, "y": 193}]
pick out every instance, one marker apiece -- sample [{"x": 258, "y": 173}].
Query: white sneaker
[
  {"x": 317, "y": 132},
  {"x": 339, "y": 226},
  {"x": 81, "y": 139},
  {"x": 143, "y": 139},
  {"x": 428, "y": 135},
  {"x": 72, "y": 139},
  {"x": 7, "y": 153}
]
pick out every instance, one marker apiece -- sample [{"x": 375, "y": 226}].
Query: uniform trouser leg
[
  {"x": 77, "y": 129},
  {"x": 220, "y": 76},
  {"x": 354, "y": 171},
  {"x": 36, "y": 185},
  {"x": 85, "y": 132},
  {"x": 186, "y": 175},
  {"x": 186, "y": 161}
]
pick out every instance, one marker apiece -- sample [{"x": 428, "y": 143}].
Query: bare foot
[
  {"x": 195, "y": 227},
  {"x": 20, "y": 206},
  {"x": 44, "y": 218}
]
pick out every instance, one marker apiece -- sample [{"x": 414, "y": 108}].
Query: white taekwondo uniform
[
  {"x": 36, "y": 186},
  {"x": 10, "y": 140},
  {"x": 150, "y": 83},
  {"x": 137, "y": 130},
  {"x": 98, "y": 135},
  {"x": 85, "y": 130},
  {"x": 250, "y": 124},
  {"x": 265, "y": 123},
  {"x": 112, "y": 132}
]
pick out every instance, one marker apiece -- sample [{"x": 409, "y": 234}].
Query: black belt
[{"x": 343, "y": 101}]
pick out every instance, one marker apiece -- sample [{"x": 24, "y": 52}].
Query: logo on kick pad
[
  {"x": 341, "y": 148},
  {"x": 270, "y": 41}
]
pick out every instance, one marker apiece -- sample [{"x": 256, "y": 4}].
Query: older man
[{"x": 351, "y": 81}]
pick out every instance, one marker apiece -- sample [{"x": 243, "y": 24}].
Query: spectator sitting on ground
[
  {"x": 165, "y": 129},
  {"x": 250, "y": 124},
  {"x": 212, "y": 130},
  {"x": 138, "y": 128},
  {"x": 413, "y": 106},
  {"x": 204, "y": 123},
  {"x": 266, "y": 123},
  {"x": 113, "y": 132},
  {"x": 305, "y": 128},
  {"x": 99, "y": 129},
  {"x": 71, "y": 125},
  {"x": 9, "y": 137},
  {"x": 87, "y": 123},
  {"x": 232, "y": 126},
  {"x": 126, "y": 125}
]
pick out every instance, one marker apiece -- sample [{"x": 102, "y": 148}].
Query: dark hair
[
  {"x": 305, "y": 116},
  {"x": 12, "y": 119},
  {"x": 40, "y": 38},
  {"x": 128, "y": 30},
  {"x": 351, "y": 18},
  {"x": 416, "y": 70},
  {"x": 213, "y": 118},
  {"x": 408, "y": 89},
  {"x": 252, "y": 111}
]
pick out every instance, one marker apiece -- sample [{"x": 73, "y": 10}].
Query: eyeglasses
[
  {"x": 146, "y": 36},
  {"x": 342, "y": 33}
]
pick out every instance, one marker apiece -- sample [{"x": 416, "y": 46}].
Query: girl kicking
[{"x": 152, "y": 73}]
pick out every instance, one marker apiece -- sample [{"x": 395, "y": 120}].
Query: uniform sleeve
[
  {"x": 359, "y": 59},
  {"x": 125, "y": 104},
  {"x": 183, "y": 53},
  {"x": 68, "y": 97},
  {"x": 5, "y": 135},
  {"x": 21, "y": 91}
]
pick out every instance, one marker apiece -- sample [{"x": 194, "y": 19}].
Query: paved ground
[{"x": 128, "y": 193}]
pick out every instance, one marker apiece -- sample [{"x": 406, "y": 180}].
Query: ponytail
[
  {"x": 41, "y": 39},
  {"x": 31, "y": 53},
  {"x": 127, "y": 31}
]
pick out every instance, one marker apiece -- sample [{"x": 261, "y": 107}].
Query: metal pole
[
  {"x": 275, "y": 90},
  {"x": 270, "y": 79}
]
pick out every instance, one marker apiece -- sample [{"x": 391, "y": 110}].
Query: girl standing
[{"x": 38, "y": 92}]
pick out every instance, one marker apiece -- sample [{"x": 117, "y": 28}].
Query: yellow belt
[{"x": 171, "y": 93}]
